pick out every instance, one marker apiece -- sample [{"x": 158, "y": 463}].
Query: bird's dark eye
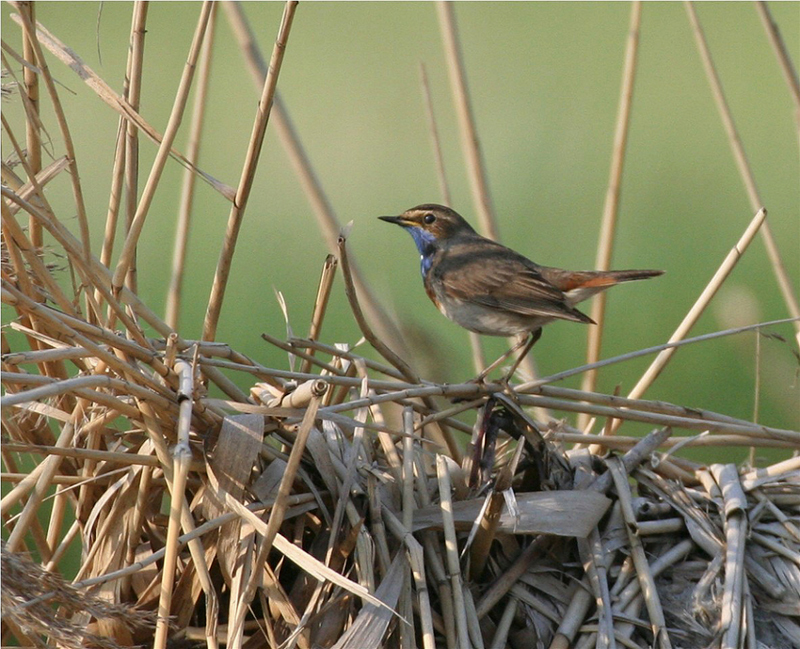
[{"x": 429, "y": 218}]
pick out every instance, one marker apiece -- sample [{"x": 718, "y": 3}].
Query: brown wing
[{"x": 496, "y": 277}]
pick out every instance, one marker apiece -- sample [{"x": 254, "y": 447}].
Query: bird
[{"x": 493, "y": 290}]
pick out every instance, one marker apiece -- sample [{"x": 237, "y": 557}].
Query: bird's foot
[{"x": 508, "y": 389}]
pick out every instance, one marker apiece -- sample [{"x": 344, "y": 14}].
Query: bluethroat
[{"x": 490, "y": 289}]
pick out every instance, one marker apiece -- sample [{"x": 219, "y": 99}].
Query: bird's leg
[
  {"x": 503, "y": 358},
  {"x": 531, "y": 341}
]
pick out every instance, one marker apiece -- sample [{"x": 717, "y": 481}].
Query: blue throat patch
[{"x": 426, "y": 245}]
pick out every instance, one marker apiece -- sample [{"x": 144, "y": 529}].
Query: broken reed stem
[
  {"x": 408, "y": 468},
  {"x": 646, "y": 581},
  {"x": 182, "y": 457},
  {"x": 451, "y": 552},
  {"x": 736, "y": 531},
  {"x": 281, "y": 499},
  {"x": 608, "y": 226},
  {"x": 784, "y": 282},
  {"x": 699, "y": 306},
  {"x": 444, "y": 436},
  {"x": 523, "y": 561},
  {"x": 127, "y": 253},
  {"x": 355, "y": 306},
  {"x": 248, "y": 174},
  {"x": 186, "y": 204},
  {"x": 320, "y": 306}
]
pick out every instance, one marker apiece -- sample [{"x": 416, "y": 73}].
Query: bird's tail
[
  {"x": 566, "y": 280},
  {"x": 581, "y": 285},
  {"x": 617, "y": 276}
]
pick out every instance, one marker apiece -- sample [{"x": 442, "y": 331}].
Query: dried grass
[{"x": 331, "y": 506}]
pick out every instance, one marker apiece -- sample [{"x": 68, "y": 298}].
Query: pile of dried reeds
[{"x": 333, "y": 505}]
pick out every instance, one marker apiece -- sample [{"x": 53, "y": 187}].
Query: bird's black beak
[{"x": 397, "y": 220}]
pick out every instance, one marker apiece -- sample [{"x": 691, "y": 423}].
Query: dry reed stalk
[
  {"x": 384, "y": 350},
  {"x": 451, "y": 553},
  {"x": 608, "y": 224},
  {"x": 643, "y": 571},
  {"x": 735, "y": 506},
  {"x": 326, "y": 218},
  {"x": 32, "y": 43},
  {"x": 784, "y": 59},
  {"x": 115, "y": 198},
  {"x": 737, "y": 148},
  {"x": 442, "y": 435},
  {"x": 181, "y": 455},
  {"x": 248, "y": 174},
  {"x": 187, "y": 191},
  {"x": 133, "y": 94},
  {"x": 478, "y": 360},
  {"x": 701, "y": 303},
  {"x": 436, "y": 144},
  {"x": 127, "y": 254},
  {"x": 37, "y": 182},
  {"x": 116, "y": 102},
  {"x": 345, "y": 355},
  {"x": 560, "y": 376},
  {"x": 470, "y": 145},
  {"x": 320, "y": 306},
  {"x": 32, "y": 139},
  {"x": 469, "y": 135}
]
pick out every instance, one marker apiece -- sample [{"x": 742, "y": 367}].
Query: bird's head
[{"x": 430, "y": 224}]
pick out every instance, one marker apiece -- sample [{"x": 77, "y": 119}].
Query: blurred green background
[{"x": 544, "y": 80}]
